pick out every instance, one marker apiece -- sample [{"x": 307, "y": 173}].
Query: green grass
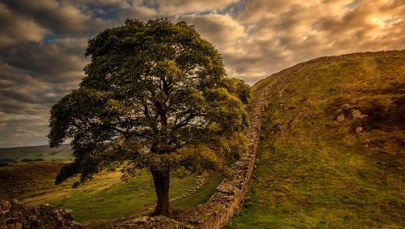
[
  {"x": 206, "y": 191},
  {"x": 104, "y": 197},
  {"x": 314, "y": 171},
  {"x": 125, "y": 199},
  {"x": 119, "y": 200}
]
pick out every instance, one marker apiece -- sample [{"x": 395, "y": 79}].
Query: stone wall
[
  {"x": 15, "y": 215},
  {"x": 229, "y": 196}
]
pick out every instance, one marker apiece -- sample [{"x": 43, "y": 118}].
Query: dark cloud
[
  {"x": 24, "y": 131},
  {"x": 32, "y": 78},
  {"x": 16, "y": 30},
  {"x": 60, "y": 17},
  {"x": 57, "y": 61}
]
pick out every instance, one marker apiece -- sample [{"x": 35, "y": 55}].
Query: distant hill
[
  {"x": 31, "y": 153},
  {"x": 30, "y": 149},
  {"x": 332, "y": 153}
]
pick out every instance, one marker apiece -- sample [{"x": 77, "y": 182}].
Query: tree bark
[{"x": 161, "y": 179}]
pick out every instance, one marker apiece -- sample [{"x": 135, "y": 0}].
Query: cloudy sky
[{"x": 42, "y": 42}]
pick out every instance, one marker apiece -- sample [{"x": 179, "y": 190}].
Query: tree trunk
[{"x": 161, "y": 179}]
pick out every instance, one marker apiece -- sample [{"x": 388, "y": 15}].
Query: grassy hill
[
  {"x": 105, "y": 197},
  {"x": 22, "y": 178},
  {"x": 332, "y": 153}
]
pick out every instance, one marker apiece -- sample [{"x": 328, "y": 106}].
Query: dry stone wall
[
  {"x": 15, "y": 215},
  {"x": 229, "y": 196}
]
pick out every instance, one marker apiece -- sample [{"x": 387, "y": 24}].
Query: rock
[
  {"x": 341, "y": 118},
  {"x": 16, "y": 215},
  {"x": 357, "y": 114}
]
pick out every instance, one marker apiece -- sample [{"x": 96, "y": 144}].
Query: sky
[{"x": 42, "y": 42}]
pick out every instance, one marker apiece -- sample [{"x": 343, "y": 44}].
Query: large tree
[{"x": 154, "y": 96}]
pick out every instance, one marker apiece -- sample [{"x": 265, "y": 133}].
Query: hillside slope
[{"x": 332, "y": 153}]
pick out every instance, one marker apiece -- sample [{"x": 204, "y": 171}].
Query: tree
[{"x": 154, "y": 96}]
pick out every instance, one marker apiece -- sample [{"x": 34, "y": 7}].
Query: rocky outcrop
[{"x": 15, "y": 215}]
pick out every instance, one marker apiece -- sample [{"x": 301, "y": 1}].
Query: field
[
  {"x": 105, "y": 197},
  {"x": 332, "y": 153}
]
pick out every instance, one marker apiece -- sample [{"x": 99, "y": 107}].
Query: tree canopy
[{"x": 155, "y": 96}]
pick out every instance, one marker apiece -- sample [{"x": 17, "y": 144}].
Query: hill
[
  {"x": 35, "y": 153},
  {"x": 332, "y": 152},
  {"x": 22, "y": 178}
]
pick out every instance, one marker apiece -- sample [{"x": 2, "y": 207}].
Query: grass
[
  {"x": 119, "y": 200},
  {"x": 105, "y": 197},
  {"x": 206, "y": 191},
  {"x": 22, "y": 178},
  {"x": 316, "y": 170}
]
